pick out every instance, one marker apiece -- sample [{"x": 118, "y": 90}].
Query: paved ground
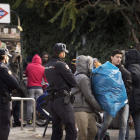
[{"x": 28, "y": 134}]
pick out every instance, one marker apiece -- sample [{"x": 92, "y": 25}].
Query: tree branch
[
  {"x": 130, "y": 23},
  {"x": 94, "y": 4},
  {"x": 114, "y": 1},
  {"x": 133, "y": 11},
  {"x": 81, "y": 2},
  {"x": 118, "y": 2}
]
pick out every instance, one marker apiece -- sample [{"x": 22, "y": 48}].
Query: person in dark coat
[
  {"x": 132, "y": 65},
  {"x": 61, "y": 80},
  {"x": 7, "y": 84},
  {"x": 15, "y": 66},
  {"x": 26, "y": 62}
]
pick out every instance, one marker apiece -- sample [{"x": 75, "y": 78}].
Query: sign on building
[{"x": 5, "y": 13}]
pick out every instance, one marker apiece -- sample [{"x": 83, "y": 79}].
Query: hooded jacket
[
  {"x": 35, "y": 72},
  {"x": 15, "y": 68},
  {"x": 132, "y": 60},
  {"x": 84, "y": 99}
]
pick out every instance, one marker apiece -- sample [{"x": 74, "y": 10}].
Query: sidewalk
[{"x": 28, "y": 134}]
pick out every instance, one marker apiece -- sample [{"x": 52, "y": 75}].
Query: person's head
[
  {"x": 132, "y": 56},
  {"x": 4, "y": 55},
  {"x": 84, "y": 64},
  {"x": 44, "y": 56},
  {"x": 28, "y": 59},
  {"x": 60, "y": 50},
  {"x": 116, "y": 57},
  {"x": 16, "y": 58},
  {"x": 73, "y": 65},
  {"x": 18, "y": 44},
  {"x": 95, "y": 61}
]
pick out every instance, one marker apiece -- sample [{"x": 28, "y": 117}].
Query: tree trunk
[{"x": 137, "y": 46}]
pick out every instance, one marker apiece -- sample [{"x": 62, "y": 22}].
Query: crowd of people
[{"x": 72, "y": 100}]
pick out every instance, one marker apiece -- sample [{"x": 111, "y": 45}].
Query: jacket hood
[
  {"x": 133, "y": 54},
  {"x": 14, "y": 56},
  {"x": 13, "y": 65},
  {"x": 132, "y": 57},
  {"x": 37, "y": 59},
  {"x": 84, "y": 64}
]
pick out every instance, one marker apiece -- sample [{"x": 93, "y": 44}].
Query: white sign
[{"x": 5, "y": 13}]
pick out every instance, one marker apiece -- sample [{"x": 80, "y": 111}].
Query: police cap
[
  {"x": 5, "y": 52},
  {"x": 60, "y": 47}
]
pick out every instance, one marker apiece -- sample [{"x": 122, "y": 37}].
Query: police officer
[
  {"x": 7, "y": 83},
  {"x": 60, "y": 80}
]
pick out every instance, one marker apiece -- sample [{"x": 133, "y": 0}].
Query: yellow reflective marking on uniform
[{"x": 9, "y": 72}]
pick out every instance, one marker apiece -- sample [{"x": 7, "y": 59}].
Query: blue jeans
[
  {"x": 123, "y": 123},
  {"x": 127, "y": 130},
  {"x": 136, "y": 119}
]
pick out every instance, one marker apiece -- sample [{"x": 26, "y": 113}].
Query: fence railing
[{"x": 34, "y": 111}]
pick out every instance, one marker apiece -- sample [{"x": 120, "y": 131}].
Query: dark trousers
[
  {"x": 16, "y": 109},
  {"x": 136, "y": 119},
  {"x": 4, "y": 123},
  {"x": 62, "y": 114}
]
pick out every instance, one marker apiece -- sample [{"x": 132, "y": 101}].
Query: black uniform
[
  {"x": 60, "y": 79},
  {"x": 7, "y": 82}
]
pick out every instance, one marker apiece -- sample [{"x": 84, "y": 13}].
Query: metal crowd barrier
[{"x": 34, "y": 111}]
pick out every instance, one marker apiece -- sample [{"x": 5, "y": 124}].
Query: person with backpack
[{"x": 85, "y": 102}]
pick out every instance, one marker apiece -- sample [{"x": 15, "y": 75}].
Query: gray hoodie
[{"x": 84, "y": 99}]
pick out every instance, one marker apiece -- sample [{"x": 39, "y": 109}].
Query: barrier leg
[
  {"x": 34, "y": 116},
  {"x": 21, "y": 114}
]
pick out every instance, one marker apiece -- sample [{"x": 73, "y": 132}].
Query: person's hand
[{"x": 130, "y": 122}]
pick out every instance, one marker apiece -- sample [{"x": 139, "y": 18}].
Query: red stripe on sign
[{"x": 3, "y": 13}]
